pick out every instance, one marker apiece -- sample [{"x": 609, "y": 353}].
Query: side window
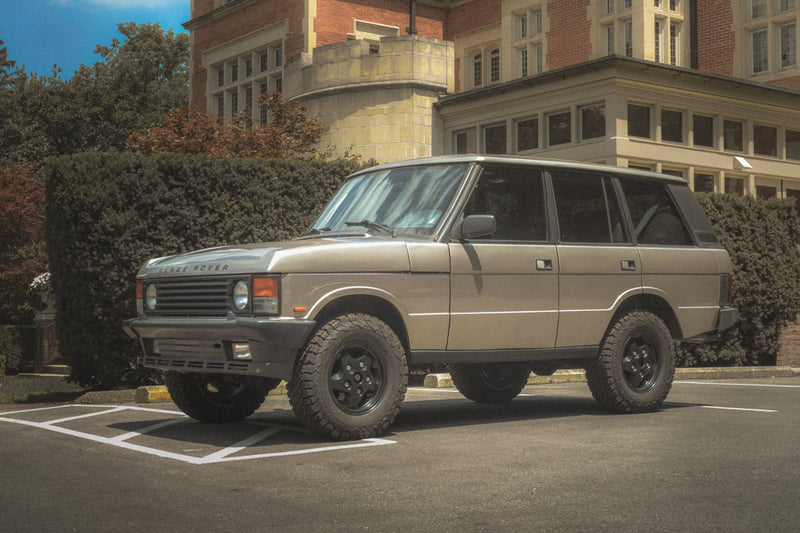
[
  {"x": 515, "y": 196},
  {"x": 587, "y": 207},
  {"x": 655, "y": 218}
]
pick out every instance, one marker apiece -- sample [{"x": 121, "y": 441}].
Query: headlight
[
  {"x": 241, "y": 296},
  {"x": 151, "y": 297}
]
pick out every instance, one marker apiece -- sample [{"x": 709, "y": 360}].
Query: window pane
[
  {"x": 494, "y": 138},
  {"x": 732, "y": 132},
  {"x": 655, "y": 218},
  {"x": 477, "y": 67},
  {"x": 559, "y": 128},
  {"x": 760, "y": 52},
  {"x": 515, "y": 196},
  {"x": 527, "y": 134},
  {"x": 494, "y": 66},
  {"x": 788, "y": 46},
  {"x": 765, "y": 140},
  {"x": 465, "y": 142},
  {"x": 734, "y": 186},
  {"x": 759, "y": 8},
  {"x": 703, "y": 128},
  {"x": 766, "y": 192},
  {"x": 703, "y": 183},
  {"x": 792, "y": 144},
  {"x": 671, "y": 125},
  {"x": 638, "y": 121},
  {"x": 583, "y": 215},
  {"x": 628, "y": 30},
  {"x": 593, "y": 122}
]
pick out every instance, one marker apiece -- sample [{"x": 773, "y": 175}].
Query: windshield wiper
[
  {"x": 317, "y": 231},
  {"x": 372, "y": 225}
]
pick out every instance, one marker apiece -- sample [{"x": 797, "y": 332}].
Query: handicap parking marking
[{"x": 234, "y": 452}]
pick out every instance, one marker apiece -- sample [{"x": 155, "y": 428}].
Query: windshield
[{"x": 405, "y": 200}]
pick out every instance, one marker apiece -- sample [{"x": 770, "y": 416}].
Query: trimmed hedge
[
  {"x": 109, "y": 212},
  {"x": 763, "y": 240}
]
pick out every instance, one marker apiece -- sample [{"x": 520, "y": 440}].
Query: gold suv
[{"x": 492, "y": 266}]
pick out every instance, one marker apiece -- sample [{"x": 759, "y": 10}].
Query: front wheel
[
  {"x": 490, "y": 382},
  {"x": 351, "y": 378},
  {"x": 636, "y": 365},
  {"x": 218, "y": 397}
]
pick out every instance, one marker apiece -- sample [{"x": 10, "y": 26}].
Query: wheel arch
[
  {"x": 368, "y": 304},
  {"x": 656, "y": 305}
]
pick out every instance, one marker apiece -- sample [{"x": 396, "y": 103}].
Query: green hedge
[
  {"x": 109, "y": 212},
  {"x": 17, "y": 349},
  {"x": 763, "y": 238}
]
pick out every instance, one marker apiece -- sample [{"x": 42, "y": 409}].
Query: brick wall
[
  {"x": 789, "y": 350},
  {"x": 715, "y": 37},
  {"x": 471, "y": 15},
  {"x": 569, "y": 38},
  {"x": 335, "y": 18}
]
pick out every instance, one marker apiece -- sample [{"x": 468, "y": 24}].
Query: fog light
[
  {"x": 241, "y": 352},
  {"x": 156, "y": 348}
]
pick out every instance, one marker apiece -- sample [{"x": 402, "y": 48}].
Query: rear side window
[
  {"x": 588, "y": 210},
  {"x": 655, "y": 217},
  {"x": 515, "y": 196}
]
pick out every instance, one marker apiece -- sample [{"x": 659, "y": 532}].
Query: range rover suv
[{"x": 493, "y": 266}]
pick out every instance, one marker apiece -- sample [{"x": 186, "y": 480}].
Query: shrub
[
  {"x": 109, "y": 212},
  {"x": 10, "y": 350},
  {"x": 762, "y": 237}
]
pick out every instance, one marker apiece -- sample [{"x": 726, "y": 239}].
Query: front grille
[{"x": 193, "y": 297}]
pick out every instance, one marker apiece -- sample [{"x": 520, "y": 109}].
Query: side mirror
[{"x": 475, "y": 227}]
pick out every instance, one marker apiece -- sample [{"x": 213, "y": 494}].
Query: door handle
[
  {"x": 544, "y": 264},
  {"x": 628, "y": 265}
]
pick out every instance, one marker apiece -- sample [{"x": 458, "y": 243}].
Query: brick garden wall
[{"x": 789, "y": 351}]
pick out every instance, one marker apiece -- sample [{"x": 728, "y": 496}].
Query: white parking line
[
  {"x": 738, "y": 409},
  {"x": 738, "y": 384},
  {"x": 121, "y": 441}
]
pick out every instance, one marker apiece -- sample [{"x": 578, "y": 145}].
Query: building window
[
  {"x": 760, "y": 52},
  {"x": 477, "y": 70},
  {"x": 523, "y": 62},
  {"x": 765, "y": 140},
  {"x": 248, "y": 68},
  {"x": 673, "y": 5},
  {"x": 758, "y": 9},
  {"x": 673, "y": 44},
  {"x": 528, "y": 43},
  {"x": 703, "y": 183},
  {"x": 234, "y": 102},
  {"x": 657, "y": 4},
  {"x": 638, "y": 121},
  {"x": 609, "y": 31},
  {"x": 787, "y": 5},
  {"x": 264, "y": 61},
  {"x": 559, "y": 128},
  {"x": 610, "y": 6},
  {"x": 788, "y": 46},
  {"x": 733, "y": 134},
  {"x": 263, "y": 112},
  {"x": 220, "y": 77},
  {"x": 671, "y": 126},
  {"x": 494, "y": 139},
  {"x": 221, "y": 105},
  {"x": 734, "y": 186},
  {"x": 657, "y": 40},
  {"x": 278, "y": 54},
  {"x": 494, "y": 65},
  {"x": 465, "y": 142},
  {"x": 235, "y": 71},
  {"x": 792, "y": 144},
  {"x": 766, "y": 192},
  {"x": 522, "y": 26},
  {"x": 628, "y": 34},
  {"x": 593, "y": 121},
  {"x": 703, "y": 130},
  {"x": 527, "y": 134},
  {"x": 538, "y": 65},
  {"x": 627, "y": 4}
]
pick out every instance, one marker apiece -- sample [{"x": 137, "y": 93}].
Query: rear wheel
[
  {"x": 218, "y": 397},
  {"x": 490, "y": 382},
  {"x": 636, "y": 365},
  {"x": 351, "y": 378}
]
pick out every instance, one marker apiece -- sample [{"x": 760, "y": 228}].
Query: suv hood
[{"x": 332, "y": 254}]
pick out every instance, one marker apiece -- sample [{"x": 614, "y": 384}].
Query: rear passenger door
[
  {"x": 504, "y": 288},
  {"x": 599, "y": 265}
]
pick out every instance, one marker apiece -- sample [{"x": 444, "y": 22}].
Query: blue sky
[{"x": 38, "y": 33}]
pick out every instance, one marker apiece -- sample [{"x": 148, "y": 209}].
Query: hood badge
[{"x": 181, "y": 269}]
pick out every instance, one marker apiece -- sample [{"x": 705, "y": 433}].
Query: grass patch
[{"x": 38, "y": 389}]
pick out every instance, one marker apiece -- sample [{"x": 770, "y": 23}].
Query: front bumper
[{"x": 206, "y": 344}]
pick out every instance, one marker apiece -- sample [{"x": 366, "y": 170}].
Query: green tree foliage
[
  {"x": 22, "y": 248},
  {"x": 138, "y": 80},
  {"x": 109, "y": 212},
  {"x": 763, "y": 239},
  {"x": 289, "y": 133}
]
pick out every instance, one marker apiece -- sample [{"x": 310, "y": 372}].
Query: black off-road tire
[
  {"x": 490, "y": 382},
  {"x": 636, "y": 365},
  {"x": 218, "y": 397},
  {"x": 351, "y": 378}
]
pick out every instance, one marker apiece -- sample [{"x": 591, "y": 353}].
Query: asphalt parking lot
[{"x": 720, "y": 456}]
